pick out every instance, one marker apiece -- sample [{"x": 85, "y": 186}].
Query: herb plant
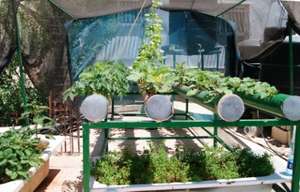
[
  {"x": 253, "y": 165},
  {"x": 106, "y": 78},
  {"x": 19, "y": 151},
  {"x": 159, "y": 167}
]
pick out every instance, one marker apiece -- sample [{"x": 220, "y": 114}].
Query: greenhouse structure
[{"x": 92, "y": 61}]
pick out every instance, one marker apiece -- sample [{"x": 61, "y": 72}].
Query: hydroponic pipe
[
  {"x": 281, "y": 105},
  {"x": 229, "y": 108}
]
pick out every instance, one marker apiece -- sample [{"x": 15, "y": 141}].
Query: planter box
[
  {"x": 281, "y": 135},
  {"x": 253, "y": 184},
  {"x": 37, "y": 174}
]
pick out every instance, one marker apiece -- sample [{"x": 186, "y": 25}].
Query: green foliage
[
  {"x": 167, "y": 169},
  {"x": 159, "y": 167},
  {"x": 113, "y": 169},
  {"x": 37, "y": 116},
  {"x": 154, "y": 80},
  {"x": 19, "y": 151},
  {"x": 10, "y": 99},
  {"x": 148, "y": 71},
  {"x": 150, "y": 52},
  {"x": 215, "y": 85},
  {"x": 106, "y": 78},
  {"x": 220, "y": 164},
  {"x": 253, "y": 165}
]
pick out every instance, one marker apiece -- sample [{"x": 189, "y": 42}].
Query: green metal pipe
[
  {"x": 20, "y": 58},
  {"x": 280, "y": 105},
  {"x": 217, "y": 139},
  {"x": 291, "y": 58},
  {"x": 296, "y": 164},
  {"x": 143, "y": 114},
  {"x": 176, "y": 124},
  {"x": 271, "y": 105},
  {"x": 217, "y": 104},
  {"x": 199, "y": 98},
  {"x": 86, "y": 158},
  {"x": 161, "y": 138}
]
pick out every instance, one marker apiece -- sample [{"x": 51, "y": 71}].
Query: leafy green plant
[
  {"x": 113, "y": 169},
  {"x": 187, "y": 165},
  {"x": 215, "y": 85},
  {"x": 106, "y": 78},
  {"x": 37, "y": 116},
  {"x": 150, "y": 52},
  {"x": 155, "y": 80},
  {"x": 167, "y": 169},
  {"x": 19, "y": 151}
]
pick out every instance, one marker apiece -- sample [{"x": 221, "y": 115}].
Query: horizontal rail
[
  {"x": 160, "y": 138},
  {"x": 189, "y": 123}
]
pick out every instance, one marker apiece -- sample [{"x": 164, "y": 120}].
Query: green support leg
[
  {"x": 215, "y": 132},
  {"x": 112, "y": 108},
  {"x": 291, "y": 58},
  {"x": 186, "y": 109},
  {"x": 106, "y": 137},
  {"x": 86, "y": 159},
  {"x": 296, "y": 164},
  {"x": 20, "y": 60},
  {"x": 215, "y": 135}
]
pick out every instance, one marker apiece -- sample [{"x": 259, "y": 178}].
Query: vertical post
[
  {"x": 291, "y": 58},
  {"x": 215, "y": 135},
  {"x": 86, "y": 158},
  {"x": 215, "y": 132},
  {"x": 296, "y": 163},
  {"x": 112, "y": 108},
  {"x": 19, "y": 56},
  {"x": 174, "y": 60},
  {"x": 106, "y": 133},
  {"x": 186, "y": 109}
]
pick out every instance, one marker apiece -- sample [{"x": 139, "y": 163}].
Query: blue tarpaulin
[{"x": 197, "y": 39}]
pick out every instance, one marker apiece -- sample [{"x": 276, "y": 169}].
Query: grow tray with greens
[
  {"x": 186, "y": 169},
  {"x": 243, "y": 180}
]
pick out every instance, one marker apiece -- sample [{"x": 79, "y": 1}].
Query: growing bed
[
  {"x": 37, "y": 175},
  {"x": 252, "y": 184}
]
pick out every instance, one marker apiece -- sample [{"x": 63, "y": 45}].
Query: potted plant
[{"x": 99, "y": 82}]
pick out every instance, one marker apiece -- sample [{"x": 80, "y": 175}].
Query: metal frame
[
  {"x": 188, "y": 122},
  {"x": 174, "y": 124}
]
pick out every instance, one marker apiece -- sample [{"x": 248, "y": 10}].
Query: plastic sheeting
[
  {"x": 257, "y": 23},
  {"x": 191, "y": 37}
]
